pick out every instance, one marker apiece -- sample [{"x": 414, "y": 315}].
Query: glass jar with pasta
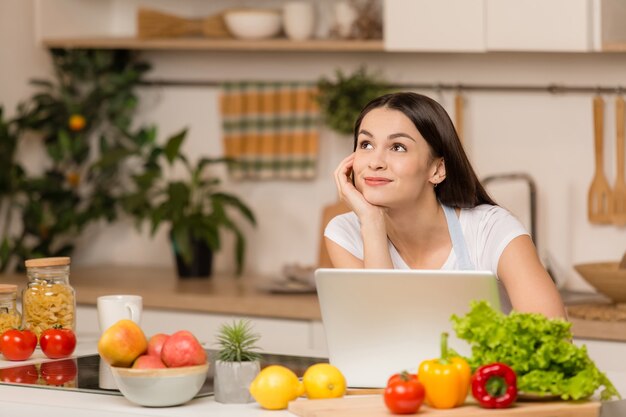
[
  {"x": 48, "y": 299},
  {"x": 9, "y": 316}
]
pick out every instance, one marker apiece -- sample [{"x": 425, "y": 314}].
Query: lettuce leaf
[{"x": 537, "y": 348}]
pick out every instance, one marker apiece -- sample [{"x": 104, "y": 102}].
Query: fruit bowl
[
  {"x": 160, "y": 387},
  {"x": 606, "y": 277},
  {"x": 253, "y": 23}
]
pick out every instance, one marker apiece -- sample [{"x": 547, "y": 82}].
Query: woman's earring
[{"x": 436, "y": 184}]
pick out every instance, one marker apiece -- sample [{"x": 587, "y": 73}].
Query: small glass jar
[
  {"x": 9, "y": 316},
  {"x": 48, "y": 299}
]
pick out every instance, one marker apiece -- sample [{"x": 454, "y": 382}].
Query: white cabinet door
[
  {"x": 434, "y": 25},
  {"x": 289, "y": 337},
  {"x": 539, "y": 25}
]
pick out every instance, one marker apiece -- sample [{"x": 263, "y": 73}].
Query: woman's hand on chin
[{"x": 353, "y": 197}]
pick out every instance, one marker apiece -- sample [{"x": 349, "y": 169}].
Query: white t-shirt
[{"x": 487, "y": 230}]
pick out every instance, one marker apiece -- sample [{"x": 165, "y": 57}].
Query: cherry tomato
[
  {"x": 404, "y": 394},
  {"x": 57, "y": 343},
  {"x": 18, "y": 345},
  {"x": 26, "y": 374},
  {"x": 59, "y": 372}
]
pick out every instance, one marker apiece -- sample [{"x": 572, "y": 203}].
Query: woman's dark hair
[{"x": 461, "y": 188}]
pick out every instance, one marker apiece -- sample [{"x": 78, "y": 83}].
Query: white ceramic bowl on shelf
[
  {"x": 160, "y": 387},
  {"x": 253, "y": 23}
]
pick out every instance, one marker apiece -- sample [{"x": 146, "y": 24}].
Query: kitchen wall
[{"x": 549, "y": 136}]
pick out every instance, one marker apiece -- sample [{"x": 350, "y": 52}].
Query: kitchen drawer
[
  {"x": 539, "y": 25},
  {"x": 434, "y": 25}
]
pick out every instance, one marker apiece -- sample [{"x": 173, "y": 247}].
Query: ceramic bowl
[
  {"x": 606, "y": 277},
  {"x": 160, "y": 387},
  {"x": 253, "y": 23}
]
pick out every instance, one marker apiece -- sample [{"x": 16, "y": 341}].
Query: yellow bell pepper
[{"x": 446, "y": 380}]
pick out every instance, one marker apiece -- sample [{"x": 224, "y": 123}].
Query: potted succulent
[
  {"x": 193, "y": 206},
  {"x": 237, "y": 362}
]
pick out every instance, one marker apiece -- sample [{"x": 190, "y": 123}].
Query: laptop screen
[{"x": 380, "y": 322}]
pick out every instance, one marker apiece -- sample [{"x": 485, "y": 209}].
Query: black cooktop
[{"x": 82, "y": 373}]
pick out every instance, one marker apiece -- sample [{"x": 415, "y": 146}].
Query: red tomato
[
  {"x": 57, "y": 343},
  {"x": 18, "y": 345},
  {"x": 59, "y": 372},
  {"x": 26, "y": 374},
  {"x": 404, "y": 394},
  {"x": 402, "y": 376}
]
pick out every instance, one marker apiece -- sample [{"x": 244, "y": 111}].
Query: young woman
[{"x": 417, "y": 203}]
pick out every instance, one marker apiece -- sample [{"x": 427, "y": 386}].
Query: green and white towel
[{"x": 270, "y": 129}]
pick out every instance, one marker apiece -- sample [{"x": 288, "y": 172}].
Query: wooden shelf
[{"x": 268, "y": 45}]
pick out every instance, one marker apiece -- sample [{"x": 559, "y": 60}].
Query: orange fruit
[{"x": 76, "y": 123}]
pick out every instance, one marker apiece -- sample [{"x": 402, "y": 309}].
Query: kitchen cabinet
[
  {"x": 434, "y": 25},
  {"x": 539, "y": 25},
  {"x": 282, "y": 336},
  {"x": 504, "y": 25},
  {"x": 609, "y": 358}
]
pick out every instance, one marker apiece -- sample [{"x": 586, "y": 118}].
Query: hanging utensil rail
[{"x": 549, "y": 88}]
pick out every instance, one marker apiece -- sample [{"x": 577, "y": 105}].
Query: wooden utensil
[
  {"x": 599, "y": 201},
  {"x": 619, "y": 190},
  {"x": 155, "y": 24},
  {"x": 622, "y": 264},
  {"x": 373, "y": 406},
  {"x": 458, "y": 115}
]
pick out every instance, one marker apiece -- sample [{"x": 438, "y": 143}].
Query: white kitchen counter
[{"x": 53, "y": 402}]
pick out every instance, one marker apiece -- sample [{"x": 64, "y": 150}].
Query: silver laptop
[{"x": 382, "y": 321}]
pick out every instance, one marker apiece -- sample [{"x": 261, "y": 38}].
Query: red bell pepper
[{"x": 494, "y": 385}]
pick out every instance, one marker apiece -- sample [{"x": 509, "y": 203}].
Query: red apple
[
  {"x": 155, "y": 344},
  {"x": 182, "y": 349},
  {"x": 148, "y": 362}
]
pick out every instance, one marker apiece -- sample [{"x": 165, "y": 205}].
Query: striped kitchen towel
[{"x": 270, "y": 130}]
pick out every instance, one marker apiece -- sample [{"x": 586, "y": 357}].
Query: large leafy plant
[
  {"x": 83, "y": 118},
  {"x": 194, "y": 207}
]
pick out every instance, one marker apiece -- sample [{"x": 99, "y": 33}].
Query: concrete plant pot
[{"x": 232, "y": 381}]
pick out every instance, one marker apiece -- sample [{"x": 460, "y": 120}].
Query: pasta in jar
[
  {"x": 9, "y": 316},
  {"x": 48, "y": 300},
  {"x": 46, "y": 305}
]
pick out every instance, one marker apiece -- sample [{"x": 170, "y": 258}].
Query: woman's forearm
[{"x": 375, "y": 243}]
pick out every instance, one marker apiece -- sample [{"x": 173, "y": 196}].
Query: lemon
[
  {"x": 324, "y": 380},
  {"x": 275, "y": 386}
]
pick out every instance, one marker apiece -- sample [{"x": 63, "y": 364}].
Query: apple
[
  {"x": 182, "y": 349},
  {"x": 155, "y": 344},
  {"x": 122, "y": 343},
  {"x": 148, "y": 362}
]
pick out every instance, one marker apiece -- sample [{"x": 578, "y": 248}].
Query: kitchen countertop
[
  {"x": 162, "y": 289},
  {"x": 18, "y": 400}
]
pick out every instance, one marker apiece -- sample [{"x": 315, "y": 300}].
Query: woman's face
[{"x": 392, "y": 162}]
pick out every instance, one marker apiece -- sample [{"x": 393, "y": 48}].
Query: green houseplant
[
  {"x": 342, "y": 99},
  {"x": 79, "y": 117},
  {"x": 193, "y": 206},
  {"x": 238, "y": 362}
]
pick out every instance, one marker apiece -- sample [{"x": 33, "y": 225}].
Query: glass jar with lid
[
  {"x": 48, "y": 299},
  {"x": 9, "y": 316}
]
